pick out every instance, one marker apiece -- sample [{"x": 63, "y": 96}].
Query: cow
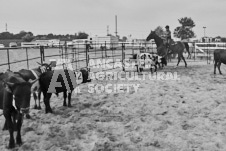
[
  {"x": 46, "y": 80},
  {"x": 34, "y": 74},
  {"x": 145, "y": 59},
  {"x": 159, "y": 61},
  {"x": 219, "y": 57},
  {"x": 14, "y": 87}
]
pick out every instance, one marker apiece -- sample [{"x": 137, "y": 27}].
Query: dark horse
[
  {"x": 176, "y": 48},
  {"x": 34, "y": 74}
]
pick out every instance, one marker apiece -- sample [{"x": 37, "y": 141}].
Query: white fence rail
[{"x": 204, "y": 47}]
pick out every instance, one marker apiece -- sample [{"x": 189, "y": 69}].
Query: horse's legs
[
  {"x": 184, "y": 60},
  {"x": 35, "y": 98},
  {"x": 189, "y": 54},
  {"x": 179, "y": 58},
  {"x": 215, "y": 65},
  {"x": 219, "y": 65}
]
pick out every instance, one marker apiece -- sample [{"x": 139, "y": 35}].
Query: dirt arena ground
[{"x": 187, "y": 114}]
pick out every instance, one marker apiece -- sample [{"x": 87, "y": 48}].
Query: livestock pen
[
  {"x": 79, "y": 55},
  {"x": 184, "y": 114}
]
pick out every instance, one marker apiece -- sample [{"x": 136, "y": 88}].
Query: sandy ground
[{"x": 174, "y": 115}]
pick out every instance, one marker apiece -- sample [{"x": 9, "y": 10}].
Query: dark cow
[
  {"x": 160, "y": 61},
  {"x": 219, "y": 57},
  {"x": 45, "y": 83},
  {"x": 34, "y": 74},
  {"x": 13, "y": 86}
]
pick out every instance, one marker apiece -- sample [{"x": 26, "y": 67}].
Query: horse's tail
[{"x": 187, "y": 49}]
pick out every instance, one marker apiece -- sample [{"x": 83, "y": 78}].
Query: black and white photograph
[{"x": 112, "y": 75}]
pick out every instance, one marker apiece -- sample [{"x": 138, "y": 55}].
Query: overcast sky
[{"x": 135, "y": 17}]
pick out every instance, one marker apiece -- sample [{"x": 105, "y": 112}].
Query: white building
[{"x": 109, "y": 41}]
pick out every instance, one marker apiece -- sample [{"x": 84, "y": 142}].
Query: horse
[
  {"x": 35, "y": 74},
  {"x": 175, "y": 47}
]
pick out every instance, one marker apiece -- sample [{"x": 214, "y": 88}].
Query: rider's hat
[{"x": 167, "y": 26}]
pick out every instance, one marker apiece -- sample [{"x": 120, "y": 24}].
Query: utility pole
[
  {"x": 6, "y": 27},
  {"x": 116, "y": 26},
  {"x": 204, "y": 28},
  {"x": 107, "y": 30},
  {"x": 204, "y": 31}
]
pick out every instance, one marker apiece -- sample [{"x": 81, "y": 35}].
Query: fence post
[
  {"x": 105, "y": 49},
  {"x": 152, "y": 48},
  {"x": 102, "y": 49},
  {"x": 87, "y": 57},
  {"x": 62, "y": 52},
  {"x": 113, "y": 56},
  {"x": 95, "y": 49},
  {"x": 65, "y": 47},
  {"x": 78, "y": 58},
  {"x": 194, "y": 47},
  {"x": 27, "y": 59},
  {"x": 87, "y": 66},
  {"x": 42, "y": 54},
  {"x": 123, "y": 54},
  {"x": 8, "y": 59},
  {"x": 207, "y": 53}
]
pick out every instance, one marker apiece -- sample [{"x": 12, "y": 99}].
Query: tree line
[{"x": 29, "y": 36}]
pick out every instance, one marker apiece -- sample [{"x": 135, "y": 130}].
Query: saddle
[{"x": 171, "y": 42}]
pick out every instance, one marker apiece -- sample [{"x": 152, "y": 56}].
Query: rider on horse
[{"x": 167, "y": 37}]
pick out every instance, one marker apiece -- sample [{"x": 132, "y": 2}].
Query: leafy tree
[
  {"x": 218, "y": 37},
  {"x": 159, "y": 31},
  {"x": 50, "y": 36},
  {"x": 124, "y": 38},
  {"x": 28, "y": 37},
  {"x": 6, "y": 35},
  {"x": 82, "y": 35},
  {"x": 185, "y": 30},
  {"x": 223, "y": 39}
]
